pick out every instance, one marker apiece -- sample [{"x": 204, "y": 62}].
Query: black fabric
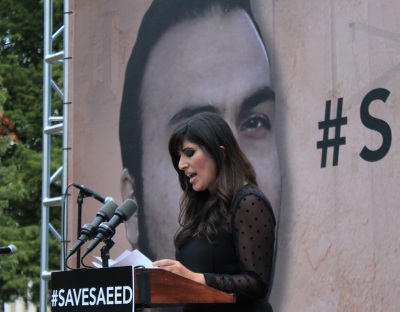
[{"x": 240, "y": 258}]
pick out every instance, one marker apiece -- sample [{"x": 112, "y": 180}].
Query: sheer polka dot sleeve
[{"x": 253, "y": 229}]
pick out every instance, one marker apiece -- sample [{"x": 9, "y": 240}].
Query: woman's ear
[{"x": 223, "y": 150}]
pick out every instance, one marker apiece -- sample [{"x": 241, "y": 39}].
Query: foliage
[
  {"x": 21, "y": 105},
  {"x": 8, "y": 138},
  {"x": 20, "y": 277}
]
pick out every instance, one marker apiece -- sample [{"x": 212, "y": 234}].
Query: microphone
[
  {"x": 107, "y": 229},
  {"x": 89, "y": 230},
  {"x": 10, "y": 249},
  {"x": 89, "y": 192}
]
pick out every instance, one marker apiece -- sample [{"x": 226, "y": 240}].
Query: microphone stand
[
  {"x": 79, "y": 201},
  {"x": 105, "y": 252}
]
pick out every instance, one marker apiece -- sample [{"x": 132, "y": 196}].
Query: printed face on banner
[{"x": 215, "y": 63}]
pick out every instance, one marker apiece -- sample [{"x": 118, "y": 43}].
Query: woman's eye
[
  {"x": 256, "y": 122},
  {"x": 189, "y": 153}
]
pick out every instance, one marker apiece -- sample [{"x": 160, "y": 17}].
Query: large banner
[{"x": 310, "y": 89}]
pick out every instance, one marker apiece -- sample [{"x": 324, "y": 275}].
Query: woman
[{"x": 227, "y": 234}]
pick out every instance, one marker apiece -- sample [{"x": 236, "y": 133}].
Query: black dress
[{"x": 240, "y": 258}]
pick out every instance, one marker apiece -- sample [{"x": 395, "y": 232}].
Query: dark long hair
[{"x": 202, "y": 212}]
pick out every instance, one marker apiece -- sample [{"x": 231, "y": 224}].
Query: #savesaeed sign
[{"x": 108, "y": 289}]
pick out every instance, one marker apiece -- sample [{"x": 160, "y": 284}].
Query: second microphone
[{"x": 107, "y": 229}]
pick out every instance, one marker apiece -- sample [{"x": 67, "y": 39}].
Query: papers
[{"x": 127, "y": 258}]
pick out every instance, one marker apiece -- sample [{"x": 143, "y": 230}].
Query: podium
[{"x": 127, "y": 288}]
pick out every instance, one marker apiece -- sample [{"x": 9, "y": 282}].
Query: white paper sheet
[{"x": 127, "y": 258}]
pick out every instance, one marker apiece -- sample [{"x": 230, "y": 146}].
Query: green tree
[{"x": 21, "y": 105}]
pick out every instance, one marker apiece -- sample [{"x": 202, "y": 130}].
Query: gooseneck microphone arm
[{"x": 88, "y": 192}]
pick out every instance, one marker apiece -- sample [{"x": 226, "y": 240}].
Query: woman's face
[{"x": 198, "y": 166}]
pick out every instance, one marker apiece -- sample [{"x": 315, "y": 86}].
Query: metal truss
[{"x": 53, "y": 125}]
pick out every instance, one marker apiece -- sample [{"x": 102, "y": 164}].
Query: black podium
[{"x": 124, "y": 288}]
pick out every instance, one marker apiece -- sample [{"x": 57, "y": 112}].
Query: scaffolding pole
[{"x": 53, "y": 125}]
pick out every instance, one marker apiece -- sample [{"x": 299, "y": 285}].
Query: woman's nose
[{"x": 182, "y": 164}]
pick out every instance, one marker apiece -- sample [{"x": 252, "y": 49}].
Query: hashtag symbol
[
  {"x": 328, "y": 123},
  {"x": 54, "y": 297}
]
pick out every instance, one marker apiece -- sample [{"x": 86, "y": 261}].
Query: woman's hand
[{"x": 177, "y": 268}]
